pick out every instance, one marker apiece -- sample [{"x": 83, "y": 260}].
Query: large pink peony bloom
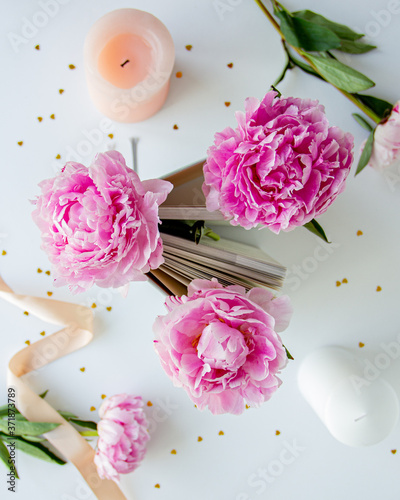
[
  {"x": 123, "y": 436},
  {"x": 386, "y": 148},
  {"x": 281, "y": 167},
  {"x": 100, "y": 224},
  {"x": 220, "y": 344}
]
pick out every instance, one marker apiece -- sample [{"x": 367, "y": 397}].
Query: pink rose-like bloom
[
  {"x": 100, "y": 224},
  {"x": 386, "y": 147},
  {"x": 281, "y": 167},
  {"x": 221, "y": 344},
  {"x": 123, "y": 436}
]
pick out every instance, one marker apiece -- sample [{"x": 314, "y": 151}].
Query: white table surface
[{"x": 121, "y": 358}]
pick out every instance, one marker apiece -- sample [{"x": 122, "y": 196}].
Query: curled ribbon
[{"x": 77, "y": 332}]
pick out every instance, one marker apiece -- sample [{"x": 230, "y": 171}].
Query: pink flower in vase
[
  {"x": 123, "y": 436},
  {"x": 281, "y": 167},
  {"x": 100, "y": 224},
  {"x": 221, "y": 344}
]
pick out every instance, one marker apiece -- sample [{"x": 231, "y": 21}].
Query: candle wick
[
  {"x": 359, "y": 418},
  {"x": 123, "y": 64}
]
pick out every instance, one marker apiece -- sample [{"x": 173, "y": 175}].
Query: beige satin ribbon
[{"x": 78, "y": 332}]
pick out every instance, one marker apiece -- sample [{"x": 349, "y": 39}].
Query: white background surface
[{"x": 121, "y": 358}]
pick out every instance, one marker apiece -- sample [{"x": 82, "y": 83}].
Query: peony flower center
[{"x": 222, "y": 347}]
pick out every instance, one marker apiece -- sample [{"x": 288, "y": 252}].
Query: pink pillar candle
[{"x": 129, "y": 56}]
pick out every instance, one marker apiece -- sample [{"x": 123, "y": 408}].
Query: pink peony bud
[
  {"x": 123, "y": 436},
  {"x": 386, "y": 147}
]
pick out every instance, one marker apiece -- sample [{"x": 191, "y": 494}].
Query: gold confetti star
[
  {"x": 394, "y": 452},
  {"x": 71, "y": 66},
  {"x": 27, "y": 342},
  {"x": 220, "y": 433},
  {"x": 277, "y": 433},
  {"x": 230, "y": 65},
  {"x": 82, "y": 369},
  {"x": 361, "y": 344},
  {"x": 111, "y": 136},
  {"x": 43, "y": 333},
  {"x": 103, "y": 396},
  {"x": 26, "y": 313},
  {"x": 58, "y": 157},
  {"x": 94, "y": 306},
  {"x": 359, "y": 232},
  {"x": 37, "y": 47},
  {"x": 175, "y": 127},
  {"x": 49, "y": 294},
  {"x": 178, "y": 74},
  {"x": 40, "y": 118},
  {"x": 39, "y": 270},
  {"x": 227, "y": 104},
  {"x": 20, "y": 143},
  {"x": 173, "y": 452},
  {"x": 48, "y": 273},
  {"x": 157, "y": 485},
  {"x": 344, "y": 280},
  {"x": 61, "y": 91},
  {"x": 338, "y": 283},
  {"x": 189, "y": 47},
  {"x": 149, "y": 403},
  {"x": 92, "y": 408},
  {"x": 3, "y": 252},
  {"x": 199, "y": 439},
  {"x": 109, "y": 308},
  {"x": 378, "y": 288},
  {"x": 53, "y": 116}
]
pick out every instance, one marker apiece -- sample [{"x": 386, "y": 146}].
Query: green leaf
[
  {"x": 5, "y": 457},
  {"x": 88, "y": 433},
  {"x": 4, "y": 411},
  {"x": 67, "y": 415},
  {"x": 28, "y": 428},
  {"x": 340, "y": 75},
  {"x": 342, "y": 31},
  {"x": 288, "y": 353},
  {"x": 366, "y": 153},
  {"x": 34, "y": 439},
  {"x": 359, "y": 119},
  {"x": 314, "y": 227},
  {"x": 378, "y": 106},
  {"x": 84, "y": 423},
  {"x": 305, "y": 67},
  {"x": 306, "y": 35},
  {"x": 37, "y": 450},
  {"x": 44, "y": 394},
  {"x": 355, "y": 47}
]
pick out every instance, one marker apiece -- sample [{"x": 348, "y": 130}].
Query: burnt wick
[{"x": 123, "y": 64}]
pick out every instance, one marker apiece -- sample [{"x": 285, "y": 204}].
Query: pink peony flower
[
  {"x": 281, "y": 167},
  {"x": 123, "y": 436},
  {"x": 386, "y": 148},
  {"x": 220, "y": 344},
  {"x": 100, "y": 224}
]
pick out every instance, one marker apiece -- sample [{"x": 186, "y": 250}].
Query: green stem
[
  {"x": 88, "y": 433},
  {"x": 288, "y": 65},
  {"x": 303, "y": 54}
]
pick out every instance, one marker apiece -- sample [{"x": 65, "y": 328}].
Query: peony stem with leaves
[{"x": 292, "y": 62}]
